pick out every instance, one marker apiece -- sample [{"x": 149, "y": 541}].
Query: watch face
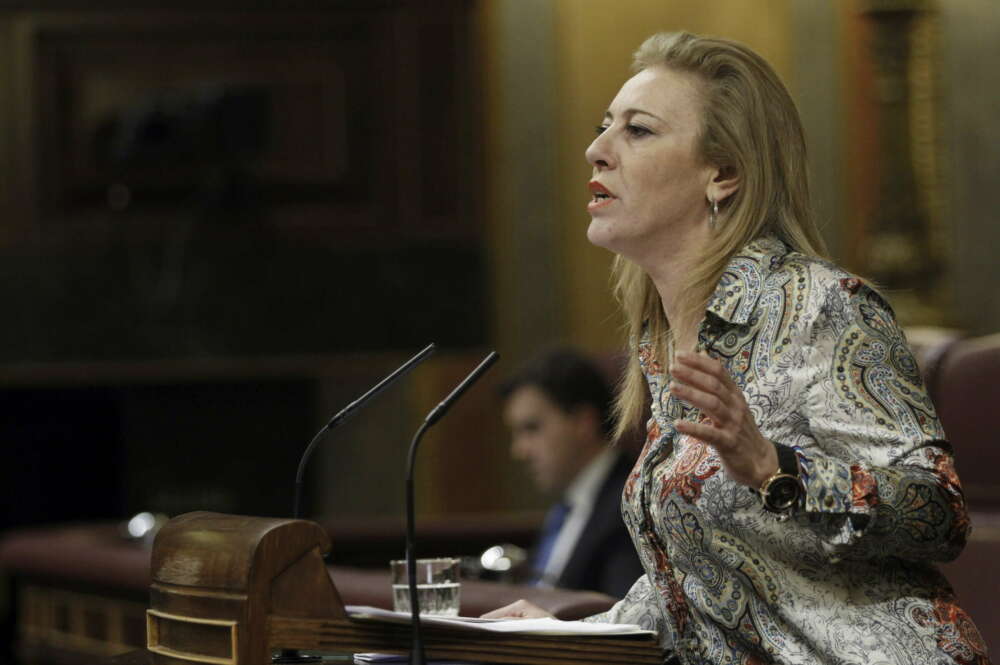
[{"x": 782, "y": 493}]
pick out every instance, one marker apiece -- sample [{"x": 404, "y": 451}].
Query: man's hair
[{"x": 569, "y": 379}]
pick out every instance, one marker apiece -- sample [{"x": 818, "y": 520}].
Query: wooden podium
[{"x": 231, "y": 590}]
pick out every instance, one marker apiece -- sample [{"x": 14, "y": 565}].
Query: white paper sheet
[
  {"x": 364, "y": 658},
  {"x": 523, "y": 626}
]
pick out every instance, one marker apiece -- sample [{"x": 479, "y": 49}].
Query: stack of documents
[{"x": 521, "y": 626}]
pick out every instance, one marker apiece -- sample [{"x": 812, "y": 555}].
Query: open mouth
[{"x": 601, "y": 195}]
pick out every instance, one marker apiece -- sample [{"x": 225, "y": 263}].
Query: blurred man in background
[{"x": 558, "y": 411}]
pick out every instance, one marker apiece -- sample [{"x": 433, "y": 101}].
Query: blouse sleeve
[
  {"x": 638, "y": 607},
  {"x": 878, "y": 475}
]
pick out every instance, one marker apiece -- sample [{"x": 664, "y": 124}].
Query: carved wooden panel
[
  {"x": 321, "y": 75},
  {"x": 350, "y": 185},
  {"x": 368, "y": 122}
]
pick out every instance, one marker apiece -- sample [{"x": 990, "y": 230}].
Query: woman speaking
[{"x": 795, "y": 487}]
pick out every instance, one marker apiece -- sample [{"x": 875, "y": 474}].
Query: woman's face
[{"x": 649, "y": 183}]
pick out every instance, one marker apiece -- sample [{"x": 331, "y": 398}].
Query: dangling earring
[{"x": 713, "y": 214}]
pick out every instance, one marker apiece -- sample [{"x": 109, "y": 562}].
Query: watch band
[
  {"x": 782, "y": 490},
  {"x": 788, "y": 461}
]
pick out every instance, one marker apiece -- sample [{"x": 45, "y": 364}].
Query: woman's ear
[{"x": 725, "y": 181}]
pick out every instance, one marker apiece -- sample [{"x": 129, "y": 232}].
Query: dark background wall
[{"x": 209, "y": 214}]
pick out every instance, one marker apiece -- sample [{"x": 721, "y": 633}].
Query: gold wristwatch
[{"x": 782, "y": 490}]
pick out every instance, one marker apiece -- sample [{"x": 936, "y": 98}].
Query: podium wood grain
[
  {"x": 230, "y": 590},
  {"x": 458, "y": 644}
]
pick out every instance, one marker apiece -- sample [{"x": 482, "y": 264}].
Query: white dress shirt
[{"x": 580, "y": 497}]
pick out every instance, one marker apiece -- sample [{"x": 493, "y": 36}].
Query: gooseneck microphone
[
  {"x": 349, "y": 410},
  {"x": 417, "y": 656},
  {"x": 293, "y": 656}
]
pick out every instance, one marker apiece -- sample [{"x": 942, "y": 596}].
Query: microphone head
[{"x": 438, "y": 411}]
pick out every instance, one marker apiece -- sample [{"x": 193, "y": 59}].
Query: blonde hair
[{"x": 749, "y": 125}]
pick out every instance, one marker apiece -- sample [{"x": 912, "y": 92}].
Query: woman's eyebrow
[{"x": 628, "y": 113}]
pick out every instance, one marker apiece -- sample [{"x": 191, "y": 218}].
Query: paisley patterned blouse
[{"x": 848, "y": 578}]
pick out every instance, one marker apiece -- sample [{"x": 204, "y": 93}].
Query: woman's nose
[{"x": 598, "y": 153}]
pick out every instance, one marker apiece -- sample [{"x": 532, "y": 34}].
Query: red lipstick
[
  {"x": 602, "y": 196},
  {"x": 597, "y": 188}
]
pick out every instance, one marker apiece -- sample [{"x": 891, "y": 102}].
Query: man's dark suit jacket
[{"x": 604, "y": 558}]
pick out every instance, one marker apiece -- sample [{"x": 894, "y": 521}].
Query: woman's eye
[
  {"x": 600, "y": 129},
  {"x": 637, "y": 130}
]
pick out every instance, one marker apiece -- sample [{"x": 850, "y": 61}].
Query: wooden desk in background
[{"x": 83, "y": 591}]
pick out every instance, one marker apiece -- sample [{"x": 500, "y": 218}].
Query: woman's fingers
[
  {"x": 709, "y": 403},
  {"x": 703, "y": 373},
  {"x": 702, "y": 363},
  {"x": 729, "y": 426},
  {"x": 703, "y": 383},
  {"x": 713, "y": 436},
  {"x": 521, "y": 609}
]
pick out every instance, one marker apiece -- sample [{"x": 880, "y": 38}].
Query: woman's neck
[{"x": 669, "y": 269}]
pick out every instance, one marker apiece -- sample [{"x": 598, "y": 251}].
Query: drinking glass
[{"x": 438, "y": 586}]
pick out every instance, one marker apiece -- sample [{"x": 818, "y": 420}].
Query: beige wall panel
[
  {"x": 516, "y": 69},
  {"x": 527, "y": 283},
  {"x": 818, "y": 87},
  {"x": 971, "y": 81}
]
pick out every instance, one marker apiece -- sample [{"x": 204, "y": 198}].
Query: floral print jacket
[{"x": 848, "y": 578}]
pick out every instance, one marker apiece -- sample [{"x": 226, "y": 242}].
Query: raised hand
[{"x": 704, "y": 383}]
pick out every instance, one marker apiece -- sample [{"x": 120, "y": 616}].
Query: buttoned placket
[{"x": 661, "y": 451}]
